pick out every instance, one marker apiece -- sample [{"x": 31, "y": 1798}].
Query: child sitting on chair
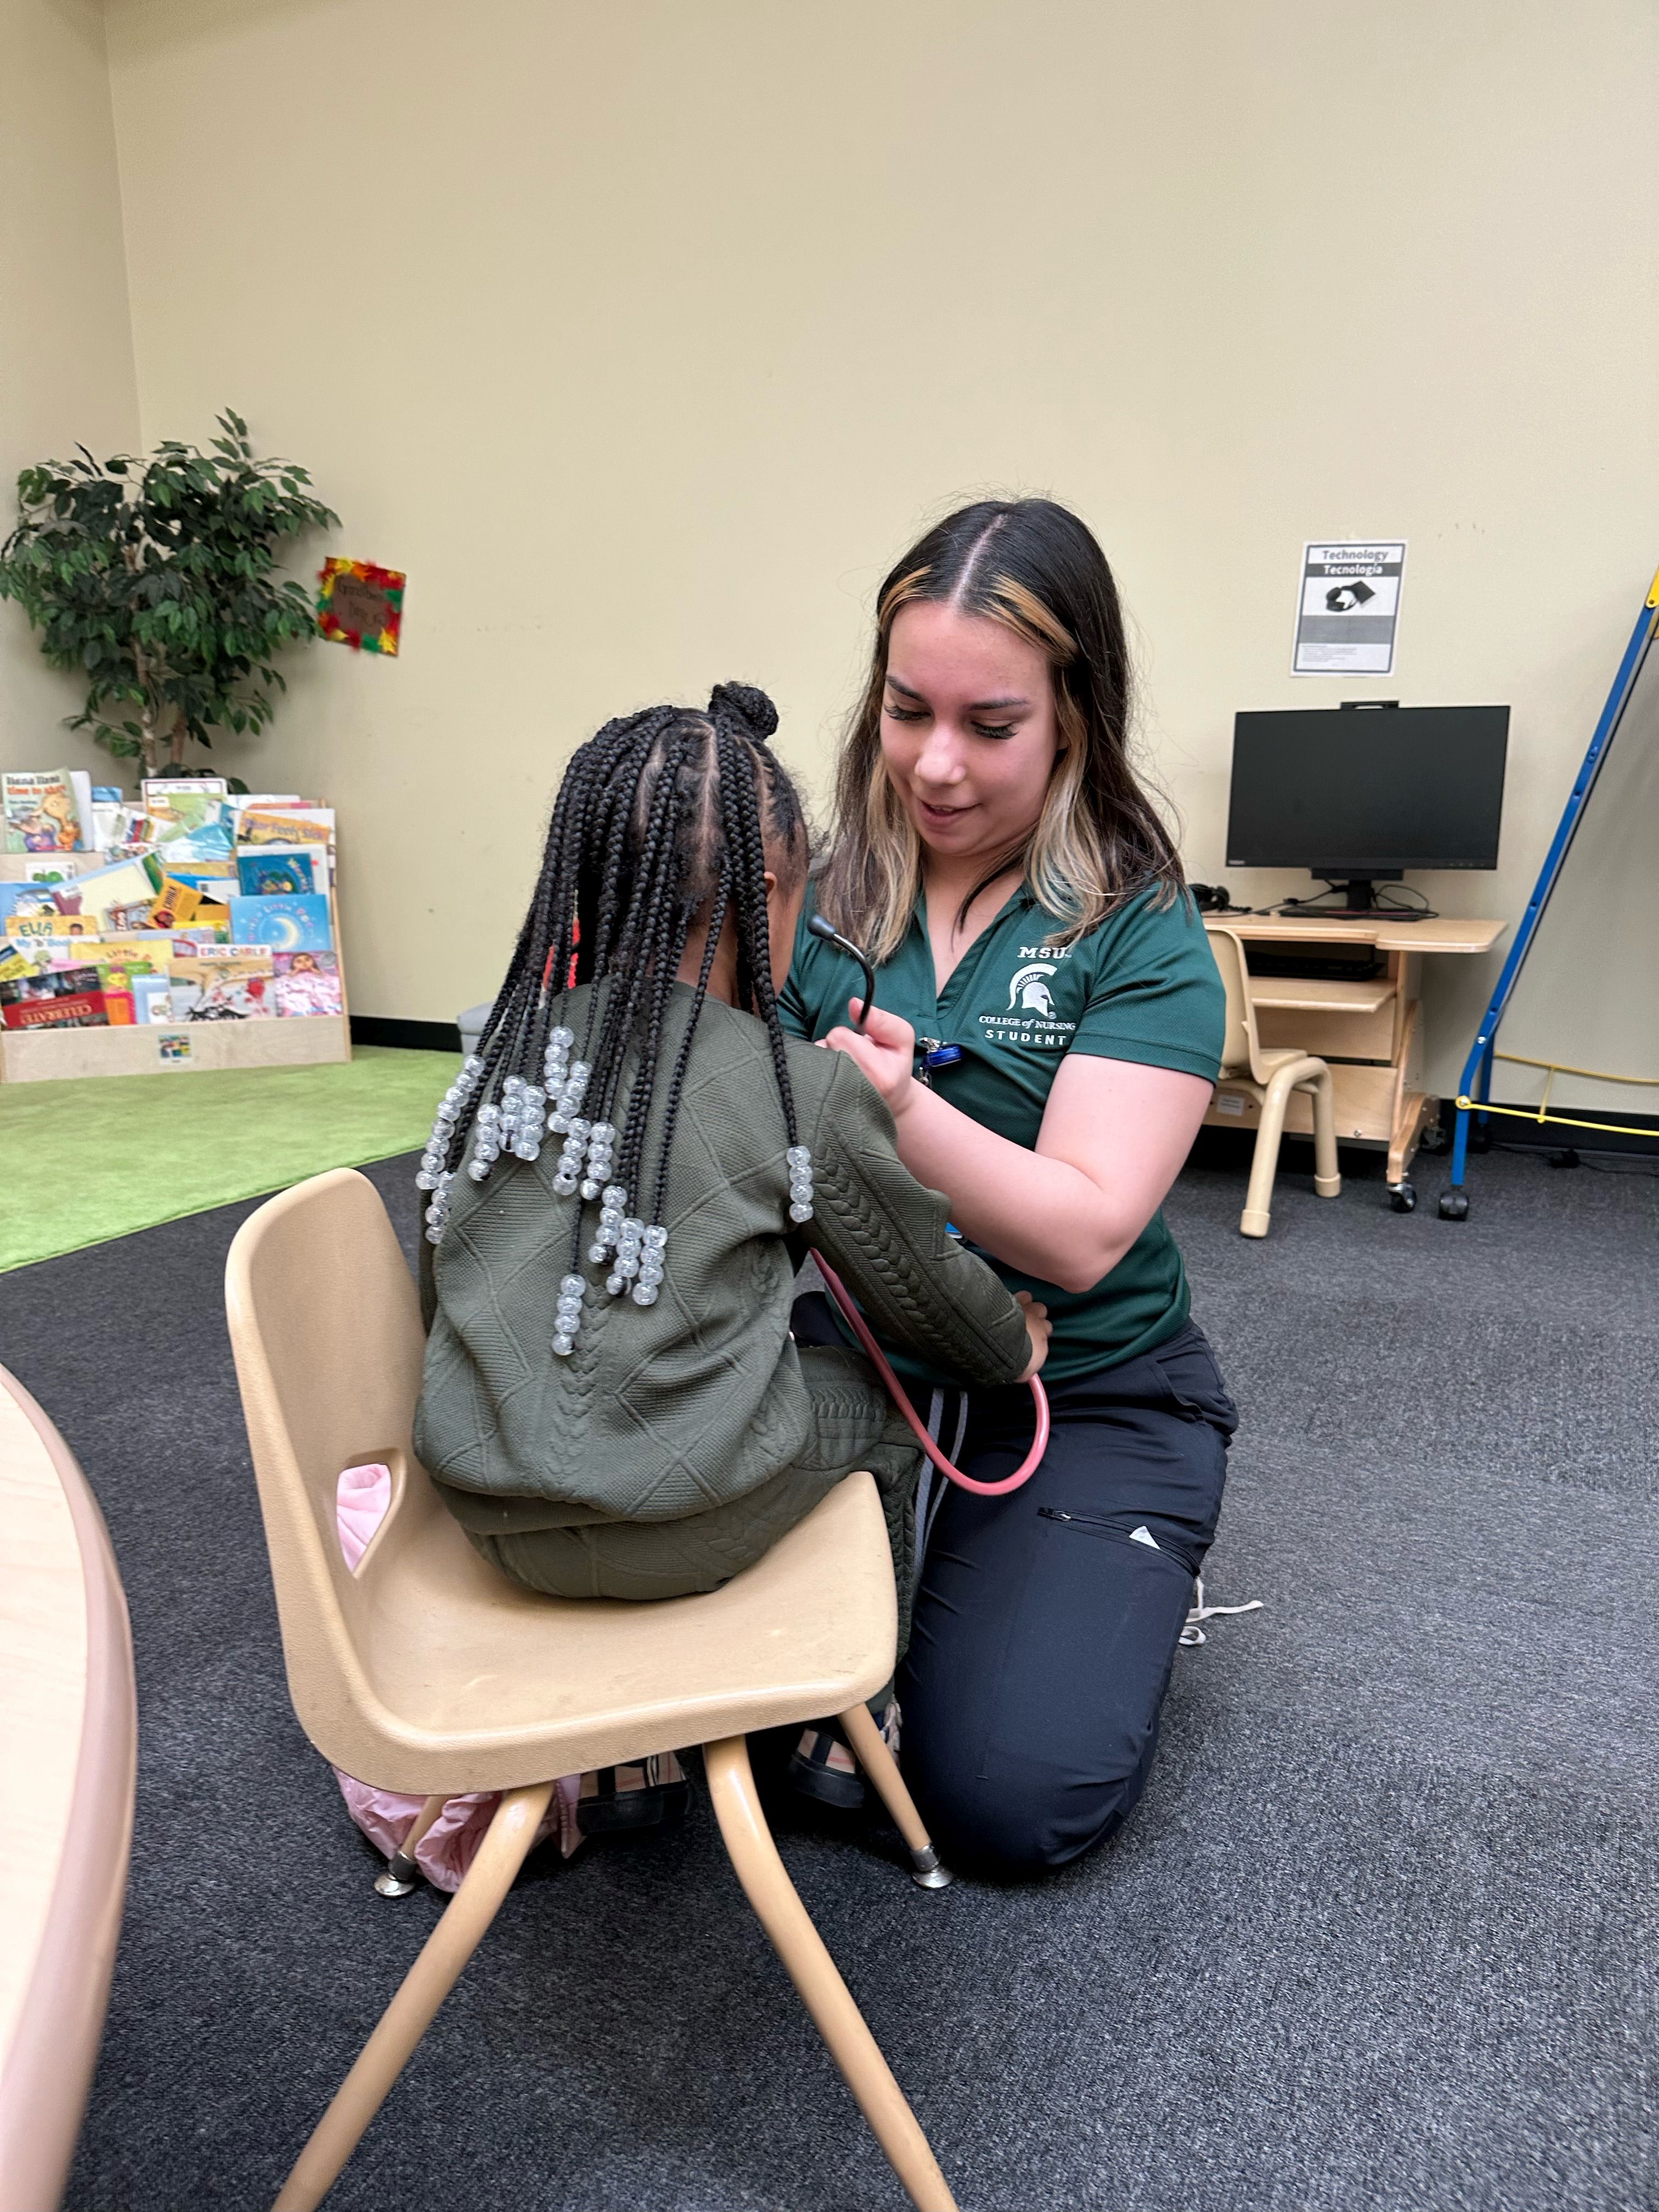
[{"x": 626, "y": 1177}]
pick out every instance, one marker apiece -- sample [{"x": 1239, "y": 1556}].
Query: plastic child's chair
[
  {"x": 429, "y": 1672},
  {"x": 1269, "y": 1076}
]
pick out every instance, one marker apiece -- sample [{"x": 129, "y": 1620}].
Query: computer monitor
[{"x": 1358, "y": 795}]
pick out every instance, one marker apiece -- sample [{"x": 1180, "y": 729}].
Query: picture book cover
[
  {"x": 25, "y": 898},
  {"x": 21, "y": 927},
  {"x": 296, "y": 924},
  {"x": 298, "y": 825},
  {"x": 184, "y": 803},
  {"x": 210, "y": 841},
  {"x": 119, "y": 885},
  {"x": 63, "y": 999},
  {"x": 274, "y": 870},
  {"x": 132, "y": 914},
  {"x": 60, "y": 871},
  {"x": 229, "y": 984},
  {"x": 152, "y": 998},
  {"x": 307, "y": 983},
  {"x": 37, "y": 811}
]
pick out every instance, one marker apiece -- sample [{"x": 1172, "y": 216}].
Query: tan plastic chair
[
  {"x": 427, "y": 1672},
  {"x": 1269, "y": 1076}
]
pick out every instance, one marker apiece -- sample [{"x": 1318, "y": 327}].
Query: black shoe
[
  {"x": 813, "y": 1774},
  {"x": 652, "y": 1793}
]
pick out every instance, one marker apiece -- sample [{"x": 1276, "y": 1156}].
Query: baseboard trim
[{"x": 407, "y": 1036}]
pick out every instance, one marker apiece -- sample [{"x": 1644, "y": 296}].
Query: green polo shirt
[{"x": 1143, "y": 986}]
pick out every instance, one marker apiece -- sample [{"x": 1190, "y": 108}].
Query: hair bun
[{"x": 749, "y": 705}]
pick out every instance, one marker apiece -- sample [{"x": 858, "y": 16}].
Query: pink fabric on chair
[{"x": 450, "y": 1844}]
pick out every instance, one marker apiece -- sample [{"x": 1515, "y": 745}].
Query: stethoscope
[{"x": 942, "y": 1056}]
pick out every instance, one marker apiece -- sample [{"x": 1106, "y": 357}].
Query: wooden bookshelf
[{"x": 48, "y": 1055}]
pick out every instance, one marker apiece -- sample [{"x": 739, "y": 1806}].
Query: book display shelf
[{"x": 202, "y": 935}]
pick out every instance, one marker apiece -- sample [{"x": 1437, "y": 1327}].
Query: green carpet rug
[{"x": 105, "y": 1154}]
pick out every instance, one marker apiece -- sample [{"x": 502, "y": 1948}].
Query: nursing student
[{"x": 1048, "y": 1031}]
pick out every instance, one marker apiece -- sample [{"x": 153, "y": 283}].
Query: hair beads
[
  {"x": 800, "y": 1182},
  {"x": 665, "y": 819}
]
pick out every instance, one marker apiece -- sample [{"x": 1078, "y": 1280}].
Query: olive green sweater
[{"x": 682, "y": 1407}]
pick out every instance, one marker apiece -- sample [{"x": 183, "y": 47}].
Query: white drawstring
[{"x": 1193, "y": 1632}]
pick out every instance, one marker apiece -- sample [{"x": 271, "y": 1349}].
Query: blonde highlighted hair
[{"x": 1033, "y": 567}]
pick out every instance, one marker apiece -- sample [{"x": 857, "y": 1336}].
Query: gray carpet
[{"x": 1380, "y": 1935}]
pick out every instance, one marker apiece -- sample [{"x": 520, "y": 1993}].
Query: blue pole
[{"x": 1476, "y": 1080}]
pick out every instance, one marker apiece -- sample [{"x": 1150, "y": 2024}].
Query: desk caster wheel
[
  {"x": 1480, "y": 1139},
  {"x": 1453, "y": 1206},
  {"x": 1402, "y": 1197},
  {"x": 1434, "y": 1138}
]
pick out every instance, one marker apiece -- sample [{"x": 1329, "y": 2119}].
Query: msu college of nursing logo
[
  {"x": 1029, "y": 992},
  {"x": 1029, "y": 1017}
]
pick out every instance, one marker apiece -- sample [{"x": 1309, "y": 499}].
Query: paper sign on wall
[{"x": 1348, "y": 607}]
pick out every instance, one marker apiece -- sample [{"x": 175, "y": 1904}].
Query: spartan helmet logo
[{"x": 1029, "y": 992}]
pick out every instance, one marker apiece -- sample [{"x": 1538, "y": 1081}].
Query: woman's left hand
[{"x": 886, "y": 1052}]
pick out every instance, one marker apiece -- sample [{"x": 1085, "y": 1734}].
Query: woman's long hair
[
  {"x": 661, "y": 818},
  {"x": 1033, "y": 567}
]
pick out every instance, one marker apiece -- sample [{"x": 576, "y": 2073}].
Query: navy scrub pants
[{"x": 1046, "y": 1623}]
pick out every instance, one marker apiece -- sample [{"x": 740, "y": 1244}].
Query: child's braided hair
[{"x": 662, "y": 816}]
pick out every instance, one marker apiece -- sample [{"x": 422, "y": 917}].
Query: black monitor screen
[{"x": 1357, "y": 794}]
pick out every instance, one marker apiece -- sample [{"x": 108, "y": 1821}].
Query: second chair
[{"x": 1269, "y": 1076}]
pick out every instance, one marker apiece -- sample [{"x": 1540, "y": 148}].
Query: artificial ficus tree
[{"x": 154, "y": 579}]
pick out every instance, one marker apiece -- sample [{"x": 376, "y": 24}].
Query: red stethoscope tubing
[{"x": 861, "y": 1329}]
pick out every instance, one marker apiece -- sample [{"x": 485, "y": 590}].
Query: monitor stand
[{"x": 1358, "y": 900}]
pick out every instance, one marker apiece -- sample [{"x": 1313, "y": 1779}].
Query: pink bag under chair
[{"x": 450, "y": 1844}]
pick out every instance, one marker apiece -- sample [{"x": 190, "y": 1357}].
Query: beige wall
[
  {"x": 65, "y": 337},
  {"x": 642, "y": 336}
]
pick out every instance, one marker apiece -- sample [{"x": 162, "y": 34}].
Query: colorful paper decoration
[{"x": 361, "y": 606}]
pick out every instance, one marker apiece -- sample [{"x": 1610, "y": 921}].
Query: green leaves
[{"x": 153, "y": 578}]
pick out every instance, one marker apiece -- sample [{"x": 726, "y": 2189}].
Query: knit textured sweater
[{"x": 671, "y": 1410}]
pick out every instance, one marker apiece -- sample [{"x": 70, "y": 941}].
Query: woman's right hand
[{"x": 1038, "y": 1328}]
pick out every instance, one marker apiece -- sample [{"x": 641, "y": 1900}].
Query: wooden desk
[
  {"x": 1369, "y": 1029},
  {"x": 68, "y": 1749}
]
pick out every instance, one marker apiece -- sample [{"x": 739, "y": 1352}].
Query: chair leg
[
  {"x": 1264, "y": 1161},
  {"x": 878, "y": 1763},
  {"x": 1328, "y": 1180},
  {"x": 400, "y": 1875},
  {"x": 826, "y": 1996},
  {"x": 422, "y": 1989}
]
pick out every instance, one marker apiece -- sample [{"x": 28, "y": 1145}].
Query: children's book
[
  {"x": 214, "y": 879},
  {"x": 119, "y": 885},
  {"x": 228, "y": 984},
  {"x": 60, "y": 870},
  {"x": 296, "y": 924},
  {"x": 180, "y": 804},
  {"x": 132, "y": 914},
  {"x": 64, "y": 999},
  {"x": 271, "y": 871},
  {"x": 81, "y": 785},
  {"x": 20, "y": 928},
  {"x": 14, "y": 964},
  {"x": 307, "y": 983},
  {"x": 293, "y": 825},
  {"x": 152, "y": 998},
  {"x": 38, "y": 810},
  {"x": 108, "y": 810},
  {"x": 25, "y": 898},
  {"x": 214, "y": 840}
]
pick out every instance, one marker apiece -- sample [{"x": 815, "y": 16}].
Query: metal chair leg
[
  {"x": 878, "y": 1763},
  {"x": 400, "y": 1875},
  {"x": 421, "y": 1993},
  {"x": 797, "y": 1943}
]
